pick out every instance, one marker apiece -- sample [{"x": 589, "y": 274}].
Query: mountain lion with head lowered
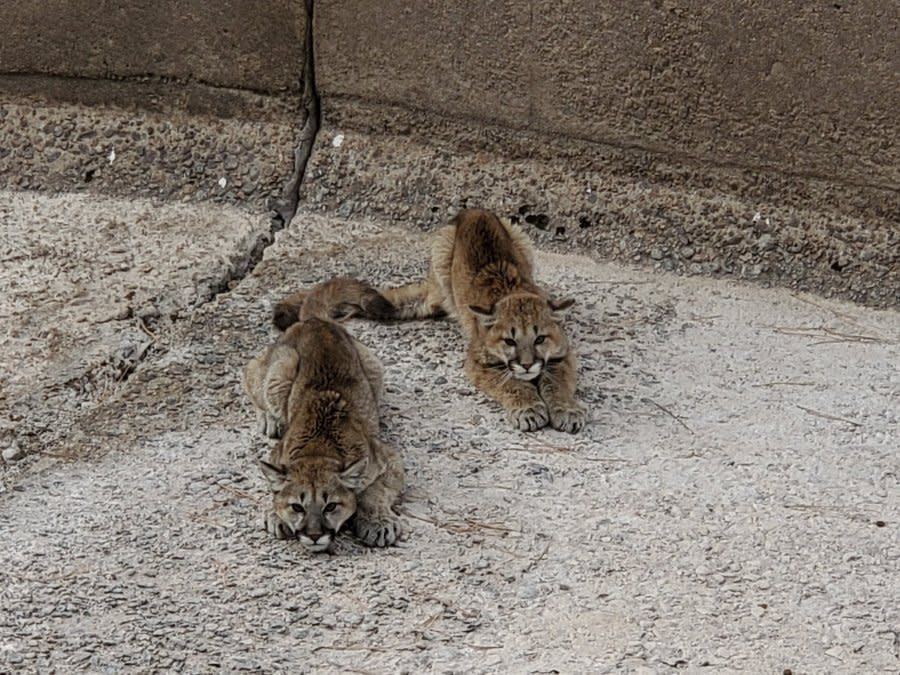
[{"x": 318, "y": 388}]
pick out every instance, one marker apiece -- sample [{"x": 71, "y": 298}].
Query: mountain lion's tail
[
  {"x": 418, "y": 300},
  {"x": 430, "y": 298},
  {"x": 338, "y": 299}
]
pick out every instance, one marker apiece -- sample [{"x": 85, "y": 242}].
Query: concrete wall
[
  {"x": 799, "y": 86},
  {"x": 230, "y": 43}
]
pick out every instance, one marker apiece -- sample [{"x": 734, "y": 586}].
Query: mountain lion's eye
[
  {"x": 331, "y": 507},
  {"x": 510, "y": 342},
  {"x": 298, "y": 508},
  {"x": 539, "y": 339}
]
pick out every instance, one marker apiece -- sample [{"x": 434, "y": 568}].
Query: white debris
[
  {"x": 13, "y": 453},
  {"x": 338, "y": 140}
]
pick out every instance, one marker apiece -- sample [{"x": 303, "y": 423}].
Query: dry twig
[
  {"x": 143, "y": 326},
  {"x": 825, "y": 335},
  {"x": 784, "y": 383},
  {"x": 343, "y": 668},
  {"x": 834, "y": 312},
  {"x": 667, "y": 412},
  {"x": 827, "y": 416},
  {"x": 535, "y": 561},
  {"x": 243, "y": 494},
  {"x": 545, "y": 449},
  {"x": 483, "y": 486},
  {"x": 358, "y": 648},
  {"x": 461, "y": 527}
]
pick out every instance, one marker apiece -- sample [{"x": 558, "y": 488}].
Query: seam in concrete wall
[
  {"x": 143, "y": 78},
  {"x": 283, "y": 209}
]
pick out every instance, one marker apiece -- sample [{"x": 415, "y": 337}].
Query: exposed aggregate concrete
[
  {"x": 156, "y": 151},
  {"x": 799, "y": 231}
]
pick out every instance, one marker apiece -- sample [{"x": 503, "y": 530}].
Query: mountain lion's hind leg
[
  {"x": 372, "y": 368},
  {"x": 255, "y": 375}
]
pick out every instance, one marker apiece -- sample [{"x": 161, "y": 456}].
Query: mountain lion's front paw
[
  {"x": 277, "y": 527},
  {"x": 530, "y": 419},
  {"x": 269, "y": 425},
  {"x": 378, "y": 530},
  {"x": 569, "y": 418}
]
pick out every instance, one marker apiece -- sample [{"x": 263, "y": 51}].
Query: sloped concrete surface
[
  {"x": 418, "y": 169},
  {"x": 732, "y": 506},
  {"x": 88, "y": 282}
]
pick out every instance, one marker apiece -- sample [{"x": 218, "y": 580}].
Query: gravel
[{"x": 720, "y": 511}]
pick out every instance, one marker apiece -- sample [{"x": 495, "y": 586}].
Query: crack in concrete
[{"x": 283, "y": 209}]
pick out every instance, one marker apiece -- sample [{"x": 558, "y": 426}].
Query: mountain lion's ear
[
  {"x": 558, "y": 308},
  {"x": 485, "y": 316},
  {"x": 276, "y": 474}
]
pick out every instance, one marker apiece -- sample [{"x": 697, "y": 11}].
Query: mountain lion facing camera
[
  {"x": 317, "y": 388},
  {"x": 518, "y": 354}
]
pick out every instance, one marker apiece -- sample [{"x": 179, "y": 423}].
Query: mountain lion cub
[
  {"x": 482, "y": 273},
  {"x": 317, "y": 389}
]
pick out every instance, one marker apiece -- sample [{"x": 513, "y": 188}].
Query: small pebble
[{"x": 13, "y": 453}]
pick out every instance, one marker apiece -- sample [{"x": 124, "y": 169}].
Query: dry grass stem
[
  {"x": 785, "y": 383},
  {"x": 531, "y": 565},
  {"x": 243, "y": 494},
  {"x": 464, "y": 526},
  {"x": 828, "y": 417},
  {"x": 667, "y": 412},
  {"x": 824, "y": 335}
]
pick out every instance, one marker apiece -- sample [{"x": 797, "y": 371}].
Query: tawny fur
[
  {"x": 317, "y": 389},
  {"x": 482, "y": 273},
  {"x": 340, "y": 298}
]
